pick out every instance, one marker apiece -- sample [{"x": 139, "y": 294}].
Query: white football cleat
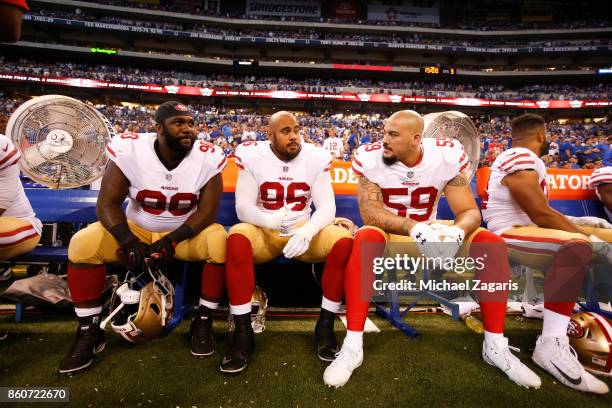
[
  {"x": 339, "y": 371},
  {"x": 497, "y": 353},
  {"x": 555, "y": 355}
]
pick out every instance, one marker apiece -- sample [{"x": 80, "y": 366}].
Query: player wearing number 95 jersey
[
  {"x": 277, "y": 182},
  {"x": 401, "y": 180},
  {"x": 173, "y": 184}
]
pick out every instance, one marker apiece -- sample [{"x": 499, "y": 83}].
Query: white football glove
[
  {"x": 299, "y": 241},
  {"x": 426, "y": 239},
  {"x": 452, "y": 238},
  {"x": 594, "y": 222},
  {"x": 284, "y": 219},
  {"x": 601, "y": 248}
]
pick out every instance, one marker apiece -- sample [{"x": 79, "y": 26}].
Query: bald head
[
  {"x": 408, "y": 120},
  {"x": 280, "y": 118},
  {"x": 284, "y": 135}
]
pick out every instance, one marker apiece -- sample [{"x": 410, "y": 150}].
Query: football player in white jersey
[
  {"x": 601, "y": 181},
  {"x": 173, "y": 185},
  {"x": 334, "y": 145},
  {"x": 19, "y": 228},
  {"x": 277, "y": 182},
  {"x": 401, "y": 180},
  {"x": 516, "y": 208}
]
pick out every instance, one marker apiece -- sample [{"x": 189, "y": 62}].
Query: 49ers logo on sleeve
[
  {"x": 156, "y": 202},
  {"x": 273, "y": 195}
]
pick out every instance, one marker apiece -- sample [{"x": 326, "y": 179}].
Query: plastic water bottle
[{"x": 473, "y": 323}]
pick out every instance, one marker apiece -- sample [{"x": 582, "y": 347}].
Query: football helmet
[
  {"x": 590, "y": 334},
  {"x": 141, "y": 314},
  {"x": 259, "y": 306}
]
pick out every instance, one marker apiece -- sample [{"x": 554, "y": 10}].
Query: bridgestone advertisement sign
[{"x": 286, "y": 8}]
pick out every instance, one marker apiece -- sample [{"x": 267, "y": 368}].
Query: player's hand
[
  {"x": 452, "y": 238},
  {"x": 299, "y": 241},
  {"x": 594, "y": 222},
  {"x": 162, "y": 252},
  {"x": 427, "y": 240},
  {"x": 601, "y": 247},
  {"x": 137, "y": 254},
  {"x": 285, "y": 218}
]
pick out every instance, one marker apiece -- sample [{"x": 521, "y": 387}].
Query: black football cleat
[
  {"x": 243, "y": 344},
  {"x": 201, "y": 332},
  {"x": 327, "y": 346},
  {"x": 89, "y": 341}
]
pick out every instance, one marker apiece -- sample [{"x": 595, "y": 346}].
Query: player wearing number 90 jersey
[
  {"x": 277, "y": 182},
  {"x": 401, "y": 180},
  {"x": 160, "y": 199},
  {"x": 173, "y": 186}
]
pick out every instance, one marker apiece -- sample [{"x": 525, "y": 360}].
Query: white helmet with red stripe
[{"x": 590, "y": 334}]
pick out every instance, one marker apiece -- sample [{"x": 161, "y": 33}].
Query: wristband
[{"x": 122, "y": 233}]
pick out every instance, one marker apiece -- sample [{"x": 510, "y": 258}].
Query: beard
[
  {"x": 544, "y": 148},
  {"x": 175, "y": 144},
  {"x": 389, "y": 161}
]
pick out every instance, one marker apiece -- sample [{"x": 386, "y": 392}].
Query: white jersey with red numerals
[
  {"x": 599, "y": 177},
  {"x": 20, "y": 206},
  {"x": 499, "y": 210},
  {"x": 413, "y": 191},
  {"x": 162, "y": 199},
  {"x": 283, "y": 183},
  {"x": 335, "y": 146}
]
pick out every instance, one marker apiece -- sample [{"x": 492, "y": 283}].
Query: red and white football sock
[
  {"x": 358, "y": 284},
  {"x": 86, "y": 282},
  {"x": 239, "y": 273},
  {"x": 562, "y": 286},
  {"x": 494, "y": 254},
  {"x": 332, "y": 281},
  {"x": 213, "y": 285},
  {"x": 354, "y": 339}
]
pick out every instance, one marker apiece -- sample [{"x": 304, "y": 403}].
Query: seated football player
[
  {"x": 401, "y": 179},
  {"x": 516, "y": 208},
  {"x": 174, "y": 185},
  {"x": 601, "y": 181},
  {"x": 19, "y": 228},
  {"x": 277, "y": 182}
]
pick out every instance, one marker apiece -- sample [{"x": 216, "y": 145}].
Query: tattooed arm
[
  {"x": 461, "y": 202},
  {"x": 373, "y": 210}
]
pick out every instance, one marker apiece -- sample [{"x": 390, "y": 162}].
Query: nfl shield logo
[
  {"x": 285, "y": 168},
  {"x": 410, "y": 174},
  {"x": 168, "y": 177}
]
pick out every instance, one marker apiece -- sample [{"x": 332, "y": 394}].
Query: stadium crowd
[
  {"x": 126, "y": 74},
  {"x": 576, "y": 144},
  {"x": 317, "y": 34},
  {"x": 239, "y": 13}
]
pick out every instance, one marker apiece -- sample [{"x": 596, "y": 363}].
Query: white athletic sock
[
  {"x": 240, "y": 309},
  {"x": 490, "y": 337},
  {"x": 354, "y": 339},
  {"x": 330, "y": 305},
  {"x": 210, "y": 305},
  {"x": 555, "y": 324},
  {"x": 87, "y": 311}
]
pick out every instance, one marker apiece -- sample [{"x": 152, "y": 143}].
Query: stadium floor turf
[{"x": 442, "y": 369}]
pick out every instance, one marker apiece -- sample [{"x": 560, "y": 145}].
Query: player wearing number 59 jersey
[
  {"x": 277, "y": 182},
  {"x": 173, "y": 185},
  {"x": 401, "y": 180}
]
